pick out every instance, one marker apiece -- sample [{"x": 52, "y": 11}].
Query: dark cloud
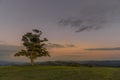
[
  {"x": 93, "y": 15},
  {"x": 1, "y": 41},
  {"x": 7, "y": 50},
  {"x": 51, "y": 45},
  {"x": 74, "y": 56},
  {"x": 103, "y": 49},
  {"x": 54, "y": 45},
  {"x": 70, "y": 45},
  {"x": 81, "y": 25}
]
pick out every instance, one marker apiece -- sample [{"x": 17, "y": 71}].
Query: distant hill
[
  {"x": 101, "y": 63},
  {"x": 83, "y": 63},
  {"x": 67, "y": 63},
  {"x": 7, "y": 63}
]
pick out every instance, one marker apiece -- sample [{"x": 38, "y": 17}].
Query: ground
[{"x": 58, "y": 73}]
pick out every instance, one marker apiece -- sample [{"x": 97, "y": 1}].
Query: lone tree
[{"x": 34, "y": 46}]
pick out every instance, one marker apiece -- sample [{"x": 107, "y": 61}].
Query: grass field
[{"x": 58, "y": 73}]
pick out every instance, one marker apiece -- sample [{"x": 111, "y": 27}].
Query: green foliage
[{"x": 35, "y": 46}]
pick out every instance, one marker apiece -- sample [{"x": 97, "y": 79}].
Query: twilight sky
[{"x": 76, "y": 29}]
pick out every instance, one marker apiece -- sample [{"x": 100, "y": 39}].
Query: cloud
[
  {"x": 70, "y": 45},
  {"x": 74, "y": 56},
  {"x": 1, "y": 41},
  {"x": 103, "y": 49},
  {"x": 6, "y": 51},
  {"x": 51, "y": 45},
  {"x": 9, "y": 48},
  {"x": 94, "y": 14},
  {"x": 54, "y": 45},
  {"x": 81, "y": 25}
]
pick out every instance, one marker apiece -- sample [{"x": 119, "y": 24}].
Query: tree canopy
[{"x": 34, "y": 46}]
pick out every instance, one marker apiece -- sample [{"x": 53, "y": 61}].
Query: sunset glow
[{"x": 71, "y": 26}]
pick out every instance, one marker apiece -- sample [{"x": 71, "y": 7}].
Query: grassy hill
[{"x": 58, "y": 73}]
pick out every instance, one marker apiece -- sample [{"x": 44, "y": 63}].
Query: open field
[{"x": 58, "y": 73}]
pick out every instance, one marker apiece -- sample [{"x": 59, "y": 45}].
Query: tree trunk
[{"x": 32, "y": 61}]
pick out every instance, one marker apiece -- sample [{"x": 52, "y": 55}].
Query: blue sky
[{"x": 82, "y": 23}]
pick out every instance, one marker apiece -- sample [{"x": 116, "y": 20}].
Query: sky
[{"x": 76, "y": 29}]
